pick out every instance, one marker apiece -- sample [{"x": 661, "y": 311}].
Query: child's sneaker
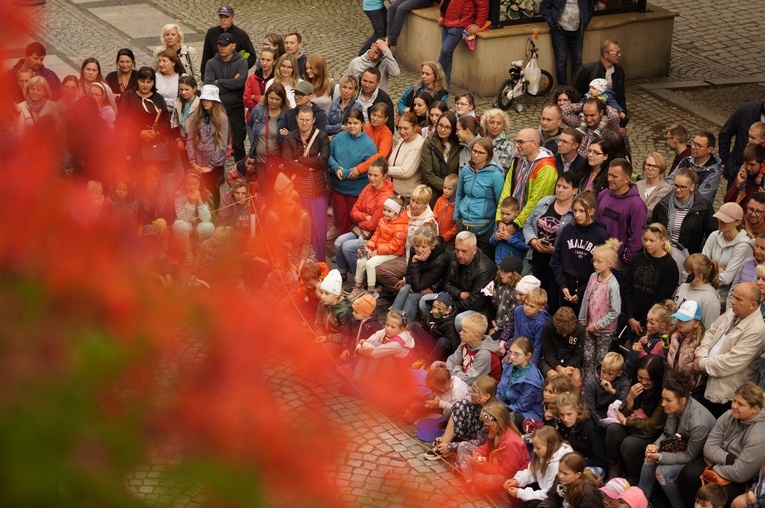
[
  {"x": 430, "y": 455},
  {"x": 375, "y": 294},
  {"x": 357, "y": 292}
]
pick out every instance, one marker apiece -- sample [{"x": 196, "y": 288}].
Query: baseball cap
[
  {"x": 688, "y": 310},
  {"x": 304, "y": 87},
  {"x": 226, "y": 39},
  {"x": 511, "y": 264},
  {"x": 225, "y": 10},
  {"x": 729, "y": 212}
]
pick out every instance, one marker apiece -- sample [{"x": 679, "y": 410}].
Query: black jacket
[
  {"x": 311, "y": 178},
  {"x": 289, "y": 120},
  {"x": 11, "y": 82},
  {"x": 558, "y": 350},
  {"x": 471, "y": 278},
  {"x": 421, "y": 275},
  {"x": 737, "y": 125},
  {"x": 591, "y": 497},
  {"x": 572, "y": 260},
  {"x": 223, "y": 75},
  {"x": 575, "y": 166},
  {"x": 552, "y": 9},
  {"x": 697, "y": 225},
  {"x": 243, "y": 42},
  {"x": 586, "y": 439},
  {"x": 594, "y": 70}
]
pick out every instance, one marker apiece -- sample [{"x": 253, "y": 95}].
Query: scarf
[
  {"x": 519, "y": 372},
  {"x": 521, "y": 178},
  {"x": 674, "y": 205},
  {"x": 36, "y": 106}
]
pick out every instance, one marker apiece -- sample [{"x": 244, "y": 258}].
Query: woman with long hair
[
  {"x": 126, "y": 75},
  {"x": 468, "y": 132},
  {"x": 262, "y": 130},
  {"x": 594, "y": 174},
  {"x": 172, "y": 38},
  {"x": 287, "y": 74},
  {"x": 207, "y": 140},
  {"x": 143, "y": 118},
  {"x": 440, "y": 154},
  {"x": 324, "y": 87}
]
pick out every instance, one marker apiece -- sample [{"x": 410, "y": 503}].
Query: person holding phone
[{"x": 541, "y": 230}]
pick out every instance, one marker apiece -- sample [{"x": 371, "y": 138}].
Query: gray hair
[
  {"x": 467, "y": 236},
  {"x": 487, "y": 115},
  {"x": 167, "y": 28}
]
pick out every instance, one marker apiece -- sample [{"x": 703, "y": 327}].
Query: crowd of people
[{"x": 574, "y": 319}]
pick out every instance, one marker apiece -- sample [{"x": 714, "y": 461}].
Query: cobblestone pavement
[{"x": 371, "y": 472}]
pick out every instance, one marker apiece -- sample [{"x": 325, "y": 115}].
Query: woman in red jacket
[
  {"x": 366, "y": 213},
  {"x": 504, "y": 453}
]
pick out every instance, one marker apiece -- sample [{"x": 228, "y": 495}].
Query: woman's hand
[
  {"x": 354, "y": 173},
  {"x": 569, "y": 297},
  {"x": 635, "y": 390},
  {"x": 283, "y": 131},
  {"x": 181, "y": 145},
  {"x": 546, "y": 248},
  {"x": 651, "y": 448},
  {"x": 205, "y": 169},
  {"x": 621, "y": 417},
  {"x": 634, "y": 325},
  {"x": 399, "y": 284},
  {"x": 339, "y": 173}
]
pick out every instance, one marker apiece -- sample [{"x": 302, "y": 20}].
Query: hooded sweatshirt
[
  {"x": 597, "y": 399},
  {"x": 624, "y": 217},
  {"x": 706, "y": 296},
  {"x": 572, "y": 260},
  {"x": 737, "y": 448},
  {"x": 531, "y": 327},
  {"x": 467, "y": 363},
  {"x": 730, "y": 256},
  {"x": 222, "y": 74}
]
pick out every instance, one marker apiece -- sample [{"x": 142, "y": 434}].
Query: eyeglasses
[
  {"x": 593, "y": 152},
  {"x": 697, "y": 146},
  {"x": 305, "y": 120},
  {"x": 514, "y": 354},
  {"x": 615, "y": 53},
  {"x": 522, "y": 141},
  {"x": 444, "y": 127},
  {"x": 564, "y": 142},
  {"x": 425, "y": 232},
  {"x": 753, "y": 211},
  {"x": 462, "y": 104},
  {"x": 478, "y": 152},
  {"x": 652, "y": 166},
  {"x": 298, "y": 94},
  {"x": 680, "y": 187}
]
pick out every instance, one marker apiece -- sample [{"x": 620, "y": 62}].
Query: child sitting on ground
[
  {"x": 444, "y": 209},
  {"x": 563, "y": 347},
  {"x": 599, "y": 90},
  {"x": 658, "y": 328},
  {"x": 522, "y": 288},
  {"x": 383, "y": 348},
  {"x": 332, "y": 313},
  {"x": 521, "y": 384},
  {"x": 547, "y": 450},
  {"x": 712, "y": 495},
  {"x": 600, "y": 391},
  {"x": 363, "y": 324},
  {"x": 575, "y": 486},
  {"x": 386, "y": 244},
  {"x": 530, "y": 318},
  {"x": 212, "y": 254},
  {"x": 477, "y": 354},
  {"x": 441, "y": 323},
  {"x": 510, "y": 240},
  {"x": 689, "y": 331},
  {"x": 755, "y": 497},
  {"x": 307, "y": 292},
  {"x": 445, "y": 388}
]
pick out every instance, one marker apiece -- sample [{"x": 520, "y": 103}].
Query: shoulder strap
[{"x": 310, "y": 142}]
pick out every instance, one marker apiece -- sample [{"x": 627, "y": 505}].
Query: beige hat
[{"x": 729, "y": 212}]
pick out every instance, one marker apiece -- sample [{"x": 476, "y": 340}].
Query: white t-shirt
[{"x": 168, "y": 89}]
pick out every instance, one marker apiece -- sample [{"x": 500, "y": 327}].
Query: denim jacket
[
  {"x": 258, "y": 120},
  {"x": 336, "y": 116}
]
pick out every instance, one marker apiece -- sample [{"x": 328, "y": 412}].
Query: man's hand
[
  {"x": 634, "y": 325},
  {"x": 741, "y": 177},
  {"x": 464, "y": 295},
  {"x": 382, "y": 45}
]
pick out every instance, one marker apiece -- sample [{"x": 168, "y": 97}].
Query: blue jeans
[
  {"x": 346, "y": 252},
  {"x": 397, "y": 12},
  {"x": 408, "y": 301},
  {"x": 564, "y": 42},
  {"x": 450, "y": 37},
  {"x": 379, "y": 20},
  {"x": 668, "y": 474}
]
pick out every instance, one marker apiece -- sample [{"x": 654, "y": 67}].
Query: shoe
[
  {"x": 430, "y": 455},
  {"x": 357, "y": 292},
  {"x": 375, "y": 294}
]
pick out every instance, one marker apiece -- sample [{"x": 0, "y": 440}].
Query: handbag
[
  {"x": 709, "y": 476},
  {"x": 674, "y": 444},
  {"x": 361, "y": 232}
]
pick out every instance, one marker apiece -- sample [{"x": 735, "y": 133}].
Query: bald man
[
  {"x": 531, "y": 176},
  {"x": 729, "y": 353}
]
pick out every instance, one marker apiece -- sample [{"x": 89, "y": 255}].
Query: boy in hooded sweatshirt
[
  {"x": 477, "y": 354},
  {"x": 529, "y": 320},
  {"x": 607, "y": 385}
]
